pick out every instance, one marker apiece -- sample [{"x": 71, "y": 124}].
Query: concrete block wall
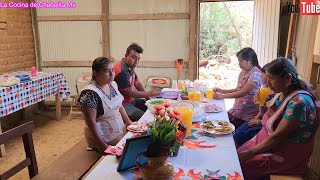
[{"x": 17, "y": 49}]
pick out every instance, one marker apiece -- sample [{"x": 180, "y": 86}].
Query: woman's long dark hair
[
  {"x": 98, "y": 64},
  {"x": 282, "y": 66},
  {"x": 249, "y": 54}
]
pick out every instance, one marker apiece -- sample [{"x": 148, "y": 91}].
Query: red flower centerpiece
[
  {"x": 167, "y": 134},
  {"x": 166, "y": 131}
]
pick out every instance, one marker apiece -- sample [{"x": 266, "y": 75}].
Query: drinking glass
[
  {"x": 262, "y": 96},
  {"x": 209, "y": 93},
  {"x": 174, "y": 84},
  {"x": 186, "y": 110}
]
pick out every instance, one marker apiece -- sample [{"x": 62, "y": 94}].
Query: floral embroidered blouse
[
  {"x": 244, "y": 107},
  {"x": 303, "y": 109}
]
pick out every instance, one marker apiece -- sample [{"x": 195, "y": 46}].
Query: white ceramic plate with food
[
  {"x": 138, "y": 127},
  {"x": 218, "y": 127},
  {"x": 213, "y": 108}
]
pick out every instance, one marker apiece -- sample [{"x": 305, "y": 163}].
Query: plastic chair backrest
[
  {"x": 158, "y": 82},
  {"x": 83, "y": 79}
]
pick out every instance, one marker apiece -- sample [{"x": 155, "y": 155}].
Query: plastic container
[
  {"x": 33, "y": 72},
  {"x": 169, "y": 93}
]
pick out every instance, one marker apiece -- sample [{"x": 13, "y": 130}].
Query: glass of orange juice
[
  {"x": 197, "y": 96},
  {"x": 186, "y": 116},
  {"x": 209, "y": 93},
  {"x": 263, "y": 94},
  {"x": 191, "y": 95}
]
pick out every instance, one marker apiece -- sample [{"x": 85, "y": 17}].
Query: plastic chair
[
  {"x": 157, "y": 82},
  {"x": 82, "y": 80}
]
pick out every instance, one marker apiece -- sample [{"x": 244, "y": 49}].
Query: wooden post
[
  {"x": 292, "y": 30},
  {"x": 193, "y": 40},
  {"x": 314, "y": 74},
  {"x": 36, "y": 38},
  {"x": 2, "y": 148},
  {"x": 58, "y": 106},
  {"x": 105, "y": 28}
]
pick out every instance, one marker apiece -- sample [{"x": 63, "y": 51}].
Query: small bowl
[
  {"x": 150, "y": 103},
  {"x": 170, "y": 95}
]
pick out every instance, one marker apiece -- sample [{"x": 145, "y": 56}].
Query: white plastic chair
[
  {"x": 82, "y": 80},
  {"x": 157, "y": 82}
]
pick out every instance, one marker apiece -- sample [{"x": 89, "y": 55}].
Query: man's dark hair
[{"x": 135, "y": 47}]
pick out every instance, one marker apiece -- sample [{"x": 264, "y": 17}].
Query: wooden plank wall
[
  {"x": 305, "y": 43},
  {"x": 317, "y": 42},
  {"x": 266, "y": 27},
  {"x": 89, "y": 27}
]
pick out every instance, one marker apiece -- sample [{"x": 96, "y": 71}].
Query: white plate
[
  {"x": 215, "y": 123},
  {"x": 137, "y": 127},
  {"x": 219, "y": 109}
]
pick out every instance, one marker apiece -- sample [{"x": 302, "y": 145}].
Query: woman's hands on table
[
  {"x": 218, "y": 96},
  {"x": 217, "y": 90}
]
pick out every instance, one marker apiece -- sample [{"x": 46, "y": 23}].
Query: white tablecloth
[{"x": 201, "y": 156}]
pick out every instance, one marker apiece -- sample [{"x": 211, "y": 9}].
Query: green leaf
[
  {"x": 169, "y": 137},
  {"x": 164, "y": 132}
]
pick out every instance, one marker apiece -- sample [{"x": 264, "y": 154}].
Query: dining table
[
  {"x": 17, "y": 97},
  {"x": 202, "y": 156}
]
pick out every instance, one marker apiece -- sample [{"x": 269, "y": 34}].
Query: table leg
[
  {"x": 2, "y": 148},
  {"x": 58, "y": 107}
]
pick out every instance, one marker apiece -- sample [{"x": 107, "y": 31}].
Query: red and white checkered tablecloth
[{"x": 19, "y": 96}]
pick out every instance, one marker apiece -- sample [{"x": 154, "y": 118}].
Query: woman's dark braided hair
[
  {"x": 249, "y": 54},
  {"x": 98, "y": 64},
  {"x": 283, "y": 66}
]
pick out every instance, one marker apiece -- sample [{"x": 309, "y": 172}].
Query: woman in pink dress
[
  {"x": 285, "y": 142},
  {"x": 249, "y": 82}
]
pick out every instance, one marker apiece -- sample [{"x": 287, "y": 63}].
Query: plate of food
[
  {"x": 218, "y": 127},
  {"x": 137, "y": 127},
  {"x": 213, "y": 108}
]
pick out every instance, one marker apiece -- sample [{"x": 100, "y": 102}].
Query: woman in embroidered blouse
[
  {"x": 249, "y": 82},
  {"x": 101, "y": 104},
  {"x": 285, "y": 142}
]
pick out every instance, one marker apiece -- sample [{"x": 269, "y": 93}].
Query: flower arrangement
[{"x": 166, "y": 130}]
